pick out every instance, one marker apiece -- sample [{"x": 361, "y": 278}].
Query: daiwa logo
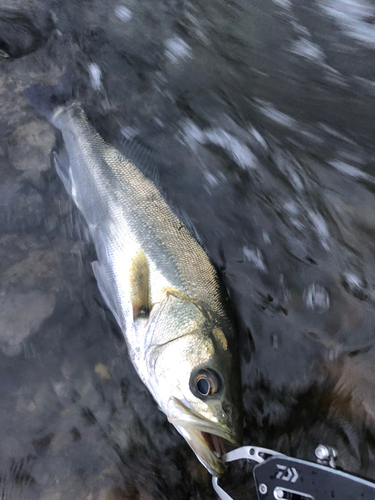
[{"x": 287, "y": 473}]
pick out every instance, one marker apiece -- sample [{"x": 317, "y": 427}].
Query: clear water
[{"x": 261, "y": 117}]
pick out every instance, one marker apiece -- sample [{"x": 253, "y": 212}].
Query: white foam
[
  {"x": 291, "y": 207},
  {"x": 95, "y": 76},
  {"x": 266, "y": 238},
  {"x": 305, "y": 48},
  {"x": 192, "y": 132},
  {"x": 176, "y": 49},
  {"x": 299, "y": 28},
  {"x": 275, "y": 115},
  {"x": 285, "y": 4},
  {"x": 255, "y": 257},
  {"x": 293, "y": 211},
  {"x": 335, "y": 133},
  {"x": 321, "y": 228},
  {"x": 123, "y": 13},
  {"x": 347, "y": 169},
  {"x": 240, "y": 153},
  {"x": 353, "y": 280},
  {"x": 236, "y": 149},
  {"x": 289, "y": 167},
  {"x": 258, "y": 138},
  {"x": 334, "y": 76},
  {"x": 284, "y": 292},
  {"x": 212, "y": 181},
  {"x": 316, "y": 298},
  {"x": 129, "y": 132},
  {"x": 355, "y": 18}
]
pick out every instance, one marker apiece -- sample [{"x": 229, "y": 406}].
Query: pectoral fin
[
  {"x": 105, "y": 290},
  {"x": 64, "y": 171},
  {"x": 62, "y": 166},
  {"x": 139, "y": 279}
]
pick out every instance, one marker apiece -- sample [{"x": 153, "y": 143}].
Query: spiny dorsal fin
[{"x": 139, "y": 279}]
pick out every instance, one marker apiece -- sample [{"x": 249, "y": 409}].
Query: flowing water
[{"x": 260, "y": 116}]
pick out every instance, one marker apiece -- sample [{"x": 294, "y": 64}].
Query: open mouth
[
  {"x": 215, "y": 443},
  {"x": 208, "y": 447},
  {"x": 207, "y": 439}
]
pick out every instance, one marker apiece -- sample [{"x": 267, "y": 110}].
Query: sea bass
[{"x": 158, "y": 282}]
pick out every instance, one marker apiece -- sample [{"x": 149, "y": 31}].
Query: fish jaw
[
  {"x": 205, "y": 455},
  {"x": 204, "y": 437}
]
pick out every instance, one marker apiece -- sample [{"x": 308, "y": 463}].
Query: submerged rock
[
  {"x": 30, "y": 146},
  {"x": 21, "y": 314},
  {"x": 19, "y": 34}
]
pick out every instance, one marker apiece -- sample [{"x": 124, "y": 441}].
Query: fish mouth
[{"x": 207, "y": 439}]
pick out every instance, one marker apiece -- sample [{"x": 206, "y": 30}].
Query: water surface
[{"x": 261, "y": 119}]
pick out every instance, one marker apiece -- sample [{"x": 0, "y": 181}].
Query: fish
[{"x": 158, "y": 281}]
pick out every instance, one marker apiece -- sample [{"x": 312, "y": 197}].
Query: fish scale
[
  {"x": 121, "y": 187},
  {"x": 159, "y": 283}
]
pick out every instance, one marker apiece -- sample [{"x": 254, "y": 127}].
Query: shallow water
[{"x": 261, "y": 118}]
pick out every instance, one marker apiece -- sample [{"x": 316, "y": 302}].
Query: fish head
[{"x": 196, "y": 379}]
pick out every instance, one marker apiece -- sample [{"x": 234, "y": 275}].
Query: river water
[{"x": 260, "y": 115}]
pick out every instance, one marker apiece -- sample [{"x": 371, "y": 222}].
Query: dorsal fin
[{"x": 139, "y": 280}]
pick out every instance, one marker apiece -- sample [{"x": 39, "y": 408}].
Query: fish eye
[{"x": 207, "y": 383}]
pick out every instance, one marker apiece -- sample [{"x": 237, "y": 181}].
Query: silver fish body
[{"x": 161, "y": 287}]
